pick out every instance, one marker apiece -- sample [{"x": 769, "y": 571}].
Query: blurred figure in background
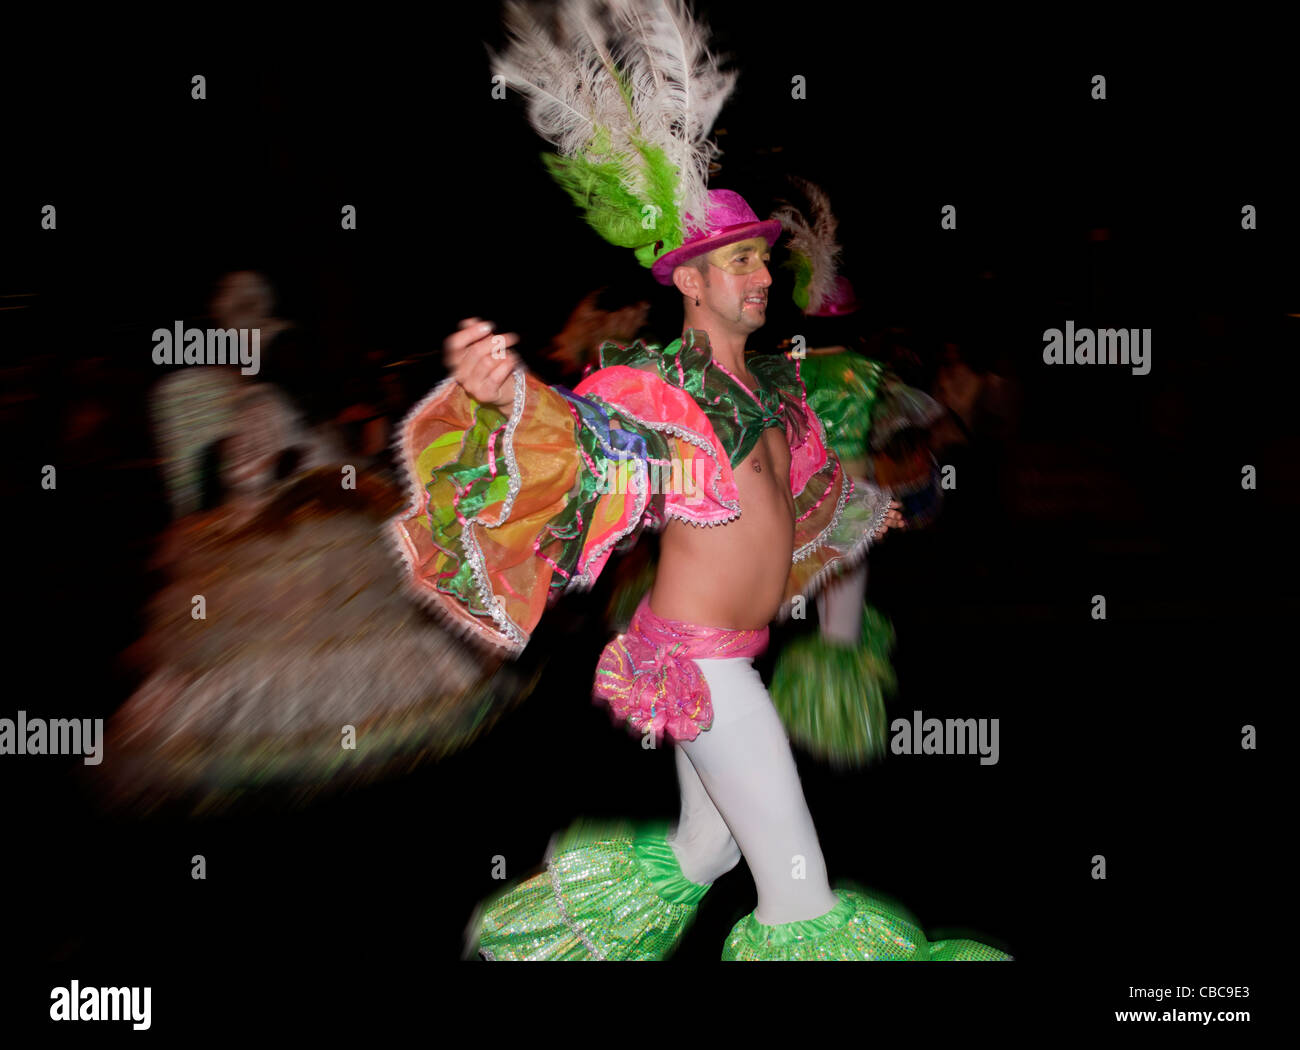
[
  {"x": 576, "y": 349},
  {"x": 222, "y": 436},
  {"x": 283, "y": 656}
]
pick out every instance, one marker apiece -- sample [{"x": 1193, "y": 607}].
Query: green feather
[
  {"x": 803, "y": 273},
  {"x": 619, "y": 216}
]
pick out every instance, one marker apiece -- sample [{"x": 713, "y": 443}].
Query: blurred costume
[
  {"x": 509, "y": 510},
  {"x": 830, "y": 685},
  {"x": 306, "y": 629}
]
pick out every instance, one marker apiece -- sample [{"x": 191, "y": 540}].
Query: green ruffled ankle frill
[
  {"x": 611, "y": 891},
  {"x": 864, "y": 927},
  {"x": 831, "y": 696}
]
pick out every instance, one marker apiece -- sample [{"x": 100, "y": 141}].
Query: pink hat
[
  {"x": 730, "y": 220},
  {"x": 838, "y": 302}
]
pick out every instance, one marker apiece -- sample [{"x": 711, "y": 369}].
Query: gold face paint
[{"x": 742, "y": 257}]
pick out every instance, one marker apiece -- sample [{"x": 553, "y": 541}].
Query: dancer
[{"x": 512, "y": 500}]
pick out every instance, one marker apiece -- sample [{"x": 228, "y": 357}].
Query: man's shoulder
[
  {"x": 627, "y": 381},
  {"x": 655, "y": 362},
  {"x": 776, "y": 369},
  {"x": 645, "y": 388}
]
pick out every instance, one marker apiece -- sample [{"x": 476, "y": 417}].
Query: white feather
[
  {"x": 552, "y": 77},
  {"x": 567, "y": 67},
  {"x": 678, "y": 86},
  {"x": 815, "y": 240}
]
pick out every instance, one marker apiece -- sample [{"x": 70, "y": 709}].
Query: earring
[{"x": 697, "y": 300}]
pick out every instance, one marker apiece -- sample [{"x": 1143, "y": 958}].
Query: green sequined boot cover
[
  {"x": 611, "y": 890},
  {"x": 831, "y": 696},
  {"x": 864, "y": 926}
]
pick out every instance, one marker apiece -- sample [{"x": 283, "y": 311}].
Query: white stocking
[{"x": 741, "y": 794}]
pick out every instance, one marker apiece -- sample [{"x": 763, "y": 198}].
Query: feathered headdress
[
  {"x": 814, "y": 252},
  {"x": 627, "y": 93}
]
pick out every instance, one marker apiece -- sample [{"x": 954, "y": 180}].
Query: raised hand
[{"x": 482, "y": 362}]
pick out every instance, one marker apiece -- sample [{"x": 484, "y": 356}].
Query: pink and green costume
[{"x": 507, "y": 512}]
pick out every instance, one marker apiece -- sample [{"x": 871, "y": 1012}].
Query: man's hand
[
  {"x": 481, "y": 363},
  {"x": 893, "y": 520}
]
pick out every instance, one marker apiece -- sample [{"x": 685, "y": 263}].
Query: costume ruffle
[
  {"x": 649, "y": 677},
  {"x": 703, "y": 491},
  {"x": 863, "y": 927},
  {"x": 611, "y": 891},
  {"x": 505, "y": 511},
  {"x": 831, "y": 696}
]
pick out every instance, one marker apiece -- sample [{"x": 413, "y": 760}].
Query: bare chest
[{"x": 763, "y": 477}]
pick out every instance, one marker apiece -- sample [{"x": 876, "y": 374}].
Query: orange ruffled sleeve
[
  {"x": 507, "y": 510},
  {"x": 483, "y": 490}
]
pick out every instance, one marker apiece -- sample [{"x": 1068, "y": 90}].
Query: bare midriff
[{"x": 733, "y": 575}]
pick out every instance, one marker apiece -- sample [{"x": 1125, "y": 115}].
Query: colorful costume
[
  {"x": 509, "y": 510},
  {"x": 506, "y": 511}
]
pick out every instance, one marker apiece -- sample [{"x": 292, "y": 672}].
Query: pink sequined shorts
[{"x": 649, "y": 677}]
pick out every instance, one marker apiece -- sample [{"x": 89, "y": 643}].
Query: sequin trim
[
  {"x": 515, "y": 638},
  {"x": 508, "y": 446},
  {"x": 850, "y": 558},
  {"x": 576, "y": 930}
]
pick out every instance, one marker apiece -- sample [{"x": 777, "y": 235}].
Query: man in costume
[{"x": 510, "y": 503}]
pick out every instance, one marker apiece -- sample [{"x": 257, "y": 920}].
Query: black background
[{"x": 1119, "y": 737}]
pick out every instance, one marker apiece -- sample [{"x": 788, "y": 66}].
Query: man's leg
[
  {"x": 744, "y": 763},
  {"x": 702, "y": 842}
]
